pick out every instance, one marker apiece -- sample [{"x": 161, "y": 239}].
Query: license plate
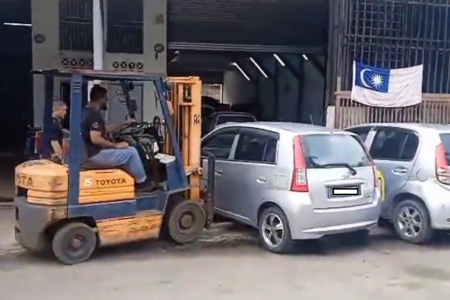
[{"x": 345, "y": 191}]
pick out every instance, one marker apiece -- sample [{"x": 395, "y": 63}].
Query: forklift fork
[{"x": 209, "y": 192}]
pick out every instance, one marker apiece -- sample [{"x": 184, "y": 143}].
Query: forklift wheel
[
  {"x": 186, "y": 222},
  {"x": 74, "y": 243}
]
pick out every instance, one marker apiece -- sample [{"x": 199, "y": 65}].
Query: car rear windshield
[
  {"x": 445, "y": 138},
  {"x": 235, "y": 119},
  {"x": 334, "y": 150}
]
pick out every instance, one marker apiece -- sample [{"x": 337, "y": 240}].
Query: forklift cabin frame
[{"x": 176, "y": 182}]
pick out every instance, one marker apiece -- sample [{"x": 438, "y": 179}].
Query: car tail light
[
  {"x": 442, "y": 167},
  {"x": 299, "y": 180},
  {"x": 374, "y": 170},
  {"x": 372, "y": 163},
  {"x": 375, "y": 175}
]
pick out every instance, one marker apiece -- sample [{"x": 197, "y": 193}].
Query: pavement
[
  {"x": 8, "y": 162},
  {"x": 228, "y": 263}
]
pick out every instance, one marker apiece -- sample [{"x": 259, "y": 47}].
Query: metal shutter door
[{"x": 242, "y": 22}]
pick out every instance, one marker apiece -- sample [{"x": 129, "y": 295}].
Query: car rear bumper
[
  {"x": 309, "y": 223},
  {"x": 437, "y": 200}
]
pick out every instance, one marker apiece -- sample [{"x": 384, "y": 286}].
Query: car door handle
[
  {"x": 219, "y": 172},
  {"x": 399, "y": 171},
  {"x": 261, "y": 179}
]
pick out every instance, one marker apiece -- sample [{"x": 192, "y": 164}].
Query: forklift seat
[{"x": 89, "y": 165}]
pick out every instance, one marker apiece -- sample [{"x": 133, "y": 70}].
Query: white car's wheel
[
  {"x": 274, "y": 231},
  {"x": 412, "y": 222}
]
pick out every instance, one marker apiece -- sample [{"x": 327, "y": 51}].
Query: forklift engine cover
[{"x": 46, "y": 183}]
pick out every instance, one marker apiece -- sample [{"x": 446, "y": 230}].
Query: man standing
[
  {"x": 102, "y": 151},
  {"x": 56, "y": 132}
]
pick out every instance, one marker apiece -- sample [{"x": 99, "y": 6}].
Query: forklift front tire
[
  {"x": 186, "y": 222},
  {"x": 74, "y": 243}
]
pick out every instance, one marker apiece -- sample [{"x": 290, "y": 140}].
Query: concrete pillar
[
  {"x": 45, "y": 34},
  {"x": 155, "y": 33}
]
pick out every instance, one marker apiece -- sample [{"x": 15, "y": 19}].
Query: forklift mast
[{"x": 185, "y": 100}]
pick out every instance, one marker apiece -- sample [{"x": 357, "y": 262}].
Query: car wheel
[
  {"x": 274, "y": 231},
  {"x": 74, "y": 243},
  {"x": 412, "y": 222}
]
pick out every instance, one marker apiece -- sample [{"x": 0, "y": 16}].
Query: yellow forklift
[{"x": 72, "y": 208}]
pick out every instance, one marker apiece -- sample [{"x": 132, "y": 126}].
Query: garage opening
[
  {"x": 16, "y": 103},
  {"x": 264, "y": 57}
]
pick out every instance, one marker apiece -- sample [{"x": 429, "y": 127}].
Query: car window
[
  {"x": 254, "y": 147},
  {"x": 328, "y": 150},
  {"x": 394, "y": 144},
  {"x": 235, "y": 119},
  {"x": 362, "y": 132},
  {"x": 219, "y": 143}
]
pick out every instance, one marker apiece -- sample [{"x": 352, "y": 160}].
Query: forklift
[{"x": 73, "y": 207}]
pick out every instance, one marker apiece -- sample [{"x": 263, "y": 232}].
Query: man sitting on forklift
[{"x": 102, "y": 151}]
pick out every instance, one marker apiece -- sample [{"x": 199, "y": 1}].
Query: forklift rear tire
[
  {"x": 74, "y": 243},
  {"x": 186, "y": 222}
]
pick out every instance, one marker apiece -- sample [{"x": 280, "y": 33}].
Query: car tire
[
  {"x": 85, "y": 245},
  {"x": 270, "y": 237},
  {"x": 409, "y": 212}
]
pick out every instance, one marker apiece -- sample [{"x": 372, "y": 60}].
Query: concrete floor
[
  {"x": 232, "y": 266},
  {"x": 8, "y": 161}
]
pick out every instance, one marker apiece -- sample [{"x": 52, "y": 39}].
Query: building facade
[{"x": 134, "y": 40}]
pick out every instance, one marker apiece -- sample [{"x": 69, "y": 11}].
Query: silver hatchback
[
  {"x": 414, "y": 170},
  {"x": 293, "y": 181}
]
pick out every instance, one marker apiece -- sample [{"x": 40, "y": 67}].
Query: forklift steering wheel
[{"x": 133, "y": 128}]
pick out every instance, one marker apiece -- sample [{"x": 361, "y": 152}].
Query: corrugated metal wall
[
  {"x": 395, "y": 34},
  {"x": 258, "y": 22}
]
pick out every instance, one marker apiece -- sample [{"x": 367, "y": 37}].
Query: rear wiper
[{"x": 351, "y": 169}]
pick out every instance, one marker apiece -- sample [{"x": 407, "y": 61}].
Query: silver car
[
  {"x": 413, "y": 162},
  {"x": 293, "y": 181}
]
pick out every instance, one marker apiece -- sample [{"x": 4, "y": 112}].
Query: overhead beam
[{"x": 243, "y": 48}]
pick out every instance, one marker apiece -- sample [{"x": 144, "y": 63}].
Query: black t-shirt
[
  {"x": 91, "y": 120},
  {"x": 56, "y": 132}
]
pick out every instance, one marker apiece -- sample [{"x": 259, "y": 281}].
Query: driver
[{"x": 102, "y": 151}]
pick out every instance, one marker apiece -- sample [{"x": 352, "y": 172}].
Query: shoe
[{"x": 147, "y": 186}]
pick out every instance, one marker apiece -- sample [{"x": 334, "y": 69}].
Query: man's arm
[
  {"x": 95, "y": 133},
  {"x": 114, "y": 127},
  {"x": 98, "y": 140},
  {"x": 55, "y": 137},
  {"x": 56, "y": 148}
]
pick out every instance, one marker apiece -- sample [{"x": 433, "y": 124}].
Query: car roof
[
  {"x": 412, "y": 126},
  {"x": 232, "y": 113},
  {"x": 286, "y": 127}
]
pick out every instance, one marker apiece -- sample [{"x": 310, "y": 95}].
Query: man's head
[
  {"x": 59, "y": 109},
  {"x": 99, "y": 97}
]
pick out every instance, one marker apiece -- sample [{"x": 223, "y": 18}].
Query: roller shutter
[{"x": 279, "y": 25}]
